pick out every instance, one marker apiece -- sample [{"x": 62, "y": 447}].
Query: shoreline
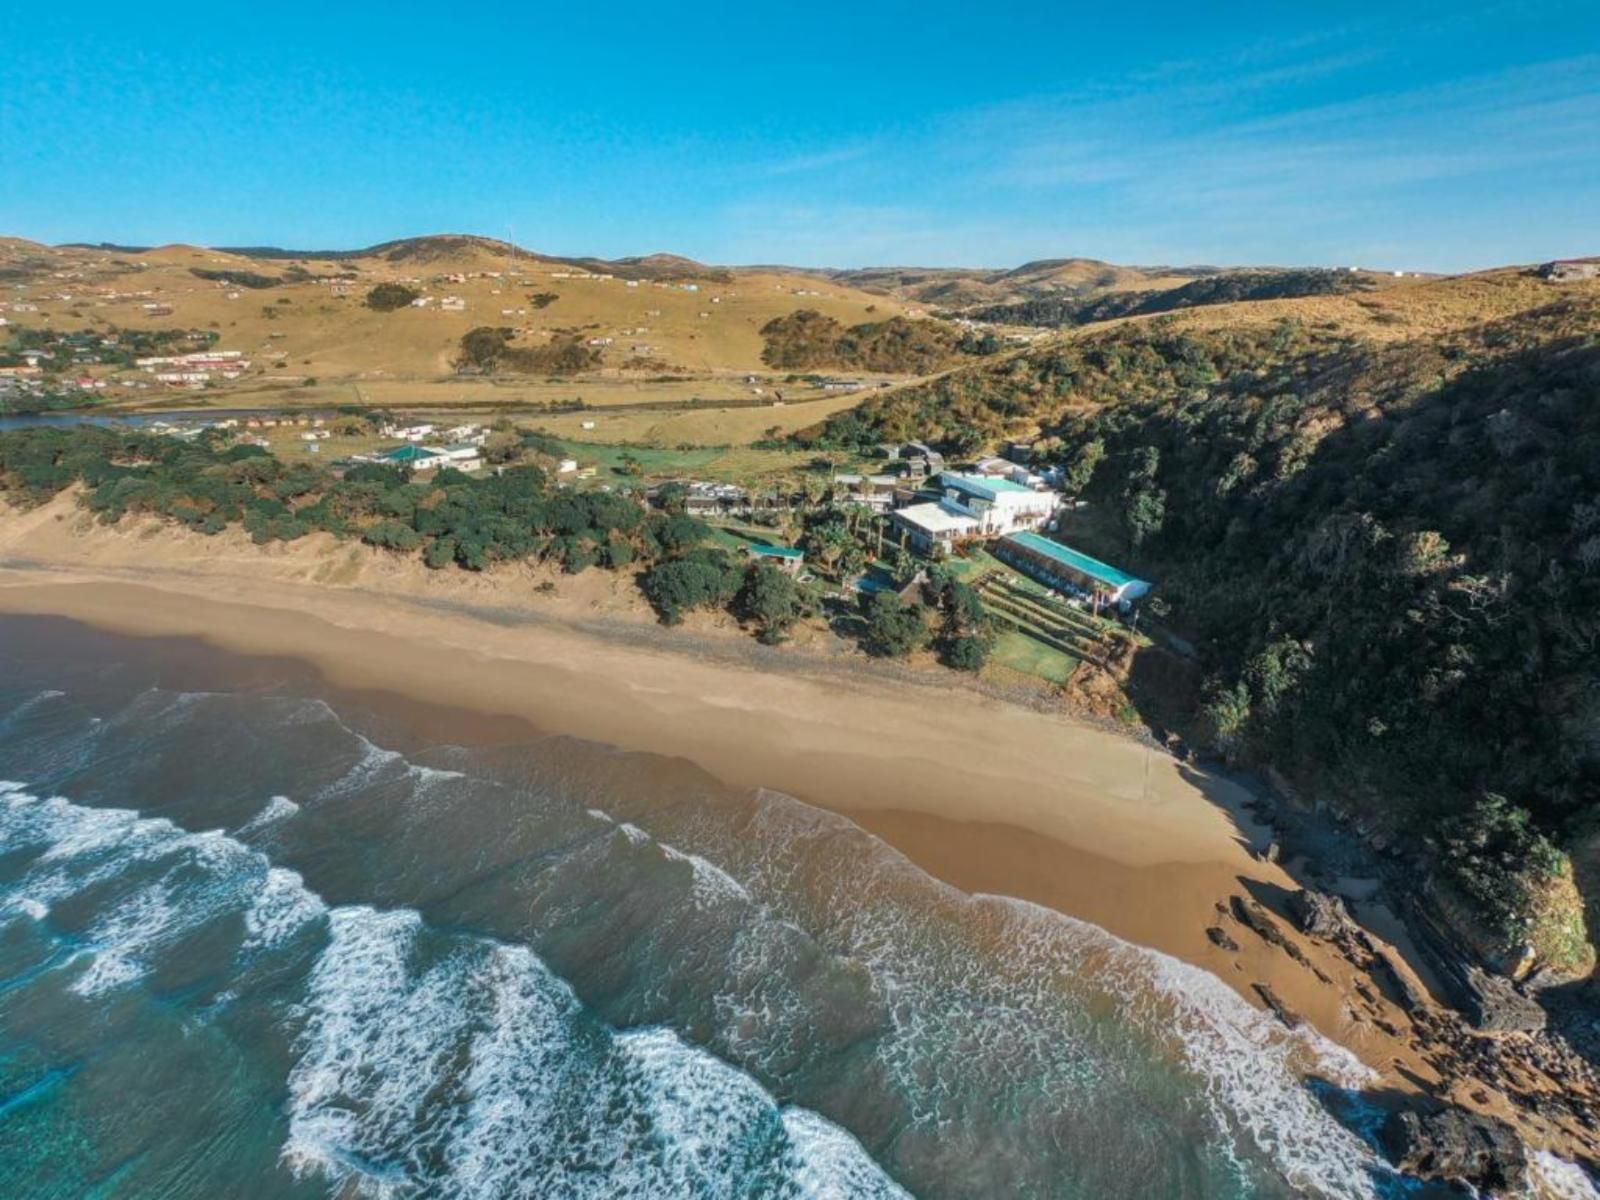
[{"x": 988, "y": 796}]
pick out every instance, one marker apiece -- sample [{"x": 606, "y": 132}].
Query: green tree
[
  {"x": 893, "y": 629},
  {"x": 772, "y": 600},
  {"x": 703, "y": 578},
  {"x": 386, "y": 297},
  {"x": 1081, "y": 470}
]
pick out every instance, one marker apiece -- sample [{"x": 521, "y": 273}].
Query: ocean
[{"x": 262, "y": 939}]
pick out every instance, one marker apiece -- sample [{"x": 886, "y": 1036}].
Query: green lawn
[
  {"x": 743, "y": 465},
  {"x": 1029, "y": 657}
]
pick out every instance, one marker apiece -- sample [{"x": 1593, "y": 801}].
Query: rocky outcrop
[
  {"x": 1322, "y": 915},
  {"x": 1491, "y": 1003},
  {"x": 1457, "y": 1147},
  {"x": 1274, "y": 1002},
  {"x": 1254, "y": 918},
  {"x": 1494, "y": 1005}
]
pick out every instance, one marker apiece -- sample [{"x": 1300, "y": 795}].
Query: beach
[
  {"x": 1116, "y": 811},
  {"x": 992, "y": 798}
]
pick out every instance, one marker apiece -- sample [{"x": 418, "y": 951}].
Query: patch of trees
[
  {"x": 807, "y": 340},
  {"x": 388, "y": 297},
  {"x": 488, "y": 349},
  {"x": 701, "y": 578},
  {"x": 894, "y": 628},
  {"x": 244, "y": 279},
  {"x": 1226, "y": 288}
]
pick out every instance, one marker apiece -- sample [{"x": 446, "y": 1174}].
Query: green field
[{"x": 1028, "y": 656}]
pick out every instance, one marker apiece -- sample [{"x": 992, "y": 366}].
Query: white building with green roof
[
  {"x": 1058, "y": 566},
  {"x": 999, "y": 506}
]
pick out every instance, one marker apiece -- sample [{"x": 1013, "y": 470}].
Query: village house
[
  {"x": 714, "y": 497},
  {"x": 417, "y": 458},
  {"x": 876, "y": 492}
]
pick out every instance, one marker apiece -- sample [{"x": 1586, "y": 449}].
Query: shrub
[
  {"x": 772, "y": 600},
  {"x": 701, "y": 579},
  {"x": 387, "y": 297},
  {"x": 894, "y": 629},
  {"x": 392, "y": 535}
]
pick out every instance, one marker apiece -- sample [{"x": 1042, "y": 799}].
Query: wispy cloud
[
  {"x": 820, "y": 160},
  {"x": 1335, "y": 148}
]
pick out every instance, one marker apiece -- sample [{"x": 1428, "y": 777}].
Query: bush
[
  {"x": 772, "y": 600},
  {"x": 894, "y": 629},
  {"x": 387, "y": 297},
  {"x": 702, "y": 579},
  {"x": 392, "y": 535},
  {"x": 968, "y": 652}
]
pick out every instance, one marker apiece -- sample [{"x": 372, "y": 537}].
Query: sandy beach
[{"x": 989, "y": 796}]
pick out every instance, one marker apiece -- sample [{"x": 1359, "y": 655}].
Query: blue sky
[{"x": 1429, "y": 136}]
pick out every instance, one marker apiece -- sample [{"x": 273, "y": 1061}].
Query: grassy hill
[
  {"x": 1223, "y": 288},
  {"x": 955, "y": 288},
  {"x": 305, "y": 318}
]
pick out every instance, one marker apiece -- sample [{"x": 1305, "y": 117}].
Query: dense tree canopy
[{"x": 1388, "y": 556}]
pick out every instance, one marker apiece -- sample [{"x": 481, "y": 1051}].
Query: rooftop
[
  {"x": 1077, "y": 560},
  {"x": 936, "y": 518},
  {"x": 409, "y": 454},
  {"x": 983, "y": 485}
]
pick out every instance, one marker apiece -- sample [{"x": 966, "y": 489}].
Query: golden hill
[
  {"x": 953, "y": 288},
  {"x": 1449, "y": 321},
  {"x": 301, "y": 314}
]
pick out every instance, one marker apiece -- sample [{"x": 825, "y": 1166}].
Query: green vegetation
[
  {"x": 387, "y": 297},
  {"x": 1227, "y": 288},
  {"x": 704, "y": 578},
  {"x": 806, "y": 340},
  {"x": 965, "y": 634},
  {"x": 773, "y": 601},
  {"x": 894, "y": 628},
  {"x": 245, "y": 279},
  {"x": 488, "y": 349},
  {"x": 1388, "y": 556},
  {"x": 31, "y": 403}
]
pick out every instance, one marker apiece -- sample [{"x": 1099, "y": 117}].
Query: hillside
[
  {"x": 301, "y": 316},
  {"x": 1387, "y": 551},
  {"x": 1228, "y": 287},
  {"x": 956, "y": 288}
]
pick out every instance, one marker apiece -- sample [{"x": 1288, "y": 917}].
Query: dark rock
[
  {"x": 1220, "y": 937},
  {"x": 1494, "y": 1005},
  {"x": 1411, "y": 999},
  {"x": 1254, "y": 918},
  {"x": 1282, "y": 1011},
  {"x": 1457, "y": 1147},
  {"x": 1321, "y": 915}
]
